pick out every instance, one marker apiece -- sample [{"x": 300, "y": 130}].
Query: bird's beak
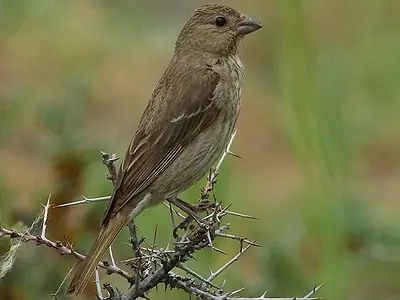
[{"x": 248, "y": 25}]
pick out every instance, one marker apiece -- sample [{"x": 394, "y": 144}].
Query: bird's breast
[{"x": 229, "y": 89}]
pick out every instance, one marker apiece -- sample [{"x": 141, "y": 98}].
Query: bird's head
[{"x": 215, "y": 29}]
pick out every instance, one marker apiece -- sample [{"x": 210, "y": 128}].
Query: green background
[{"x": 319, "y": 134}]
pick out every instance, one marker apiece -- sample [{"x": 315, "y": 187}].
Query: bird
[{"x": 184, "y": 128}]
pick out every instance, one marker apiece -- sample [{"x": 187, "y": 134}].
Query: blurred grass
[
  {"x": 318, "y": 133},
  {"x": 317, "y": 137}
]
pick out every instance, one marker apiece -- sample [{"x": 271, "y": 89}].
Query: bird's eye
[{"x": 220, "y": 21}]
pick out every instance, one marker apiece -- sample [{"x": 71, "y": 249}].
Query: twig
[
  {"x": 45, "y": 215},
  {"x": 239, "y": 215},
  {"x": 109, "y": 162},
  {"x": 196, "y": 239},
  {"x": 313, "y": 291},
  {"x": 263, "y": 298},
  {"x": 217, "y": 249},
  {"x": 194, "y": 290},
  {"x": 60, "y": 247},
  {"x": 152, "y": 280},
  {"x": 135, "y": 244},
  {"x": 198, "y": 276},
  {"x": 236, "y": 292},
  {"x": 235, "y": 237},
  {"x": 214, "y": 173},
  {"x": 227, "y": 151},
  {"x": 153, "y": 265},
  {"x": 83, "y": 201},
  {"x": 114, "y": 294},
  {"x": 98, "y": 285},
  {"x": 229, "y": 263}
]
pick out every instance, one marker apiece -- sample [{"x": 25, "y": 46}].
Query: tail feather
[{"x": 84, "y": 270}]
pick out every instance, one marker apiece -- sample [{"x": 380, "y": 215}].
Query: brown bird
[{"x": 184, "y": 128}]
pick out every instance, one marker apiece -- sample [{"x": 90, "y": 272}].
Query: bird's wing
[{"x": 151, "y": 153}]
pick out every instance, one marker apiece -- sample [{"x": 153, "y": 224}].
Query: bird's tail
[{"x": 84, "y": 270}]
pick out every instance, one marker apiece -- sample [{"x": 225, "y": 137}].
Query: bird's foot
[
  {"x": 204, "y": 205},
  {"x": 192, "y": 212},
  {"x": 189, "y": 209}
]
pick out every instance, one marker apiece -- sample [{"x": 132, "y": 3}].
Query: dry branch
[{"x": 153, "y": 265}]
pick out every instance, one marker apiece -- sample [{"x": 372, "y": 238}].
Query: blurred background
[{"x": 319, "y": 134}]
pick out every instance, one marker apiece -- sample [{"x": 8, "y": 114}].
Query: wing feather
[{"x": 150, "y": 153}]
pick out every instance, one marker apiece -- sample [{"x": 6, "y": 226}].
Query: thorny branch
[
  {"x": 153, "y": 265},
  {"x": 62, "y": 249}
]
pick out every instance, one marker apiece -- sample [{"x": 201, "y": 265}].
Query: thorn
[
  {"x": 214, "y": 197},
  {"x": 228, "y": 149},
  {"x": 229, "y": 263},
  {"x": 315, "y": 288},
  {"x": 235, "y": 237},
  {"x": 264, "y": 294},
  {"x": 155, "y": 234},
  {"x": 98, "y": 285},
  {"x": 218, "y": 250},
  {"x": 236, "y": 292},
  {"x": 225, "y": 208},
  {"x": 112, "y": 257},
  {"x": 83, "y": 201},
  {"x": 240, "y": 215},
  {"x": 223, "y": 283},
  {"x": 45, "y": 215},
  {"x": 193, "y": 257},
  {"x": 234, "y": 154},
  {"x": 209, "y": 239}
]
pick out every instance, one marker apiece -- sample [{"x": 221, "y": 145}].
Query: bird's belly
[{"x": 196, "y": 160}]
